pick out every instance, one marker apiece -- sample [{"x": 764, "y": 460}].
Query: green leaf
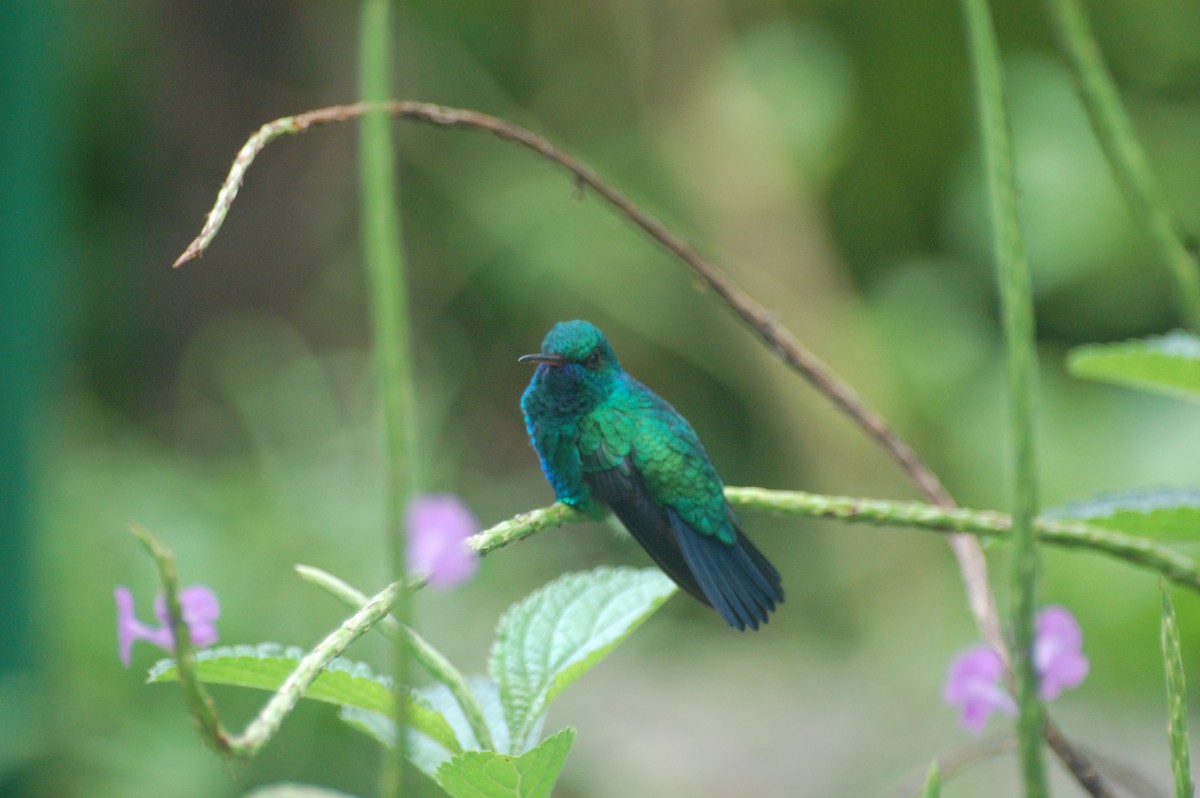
[
  {"x": 1176, "y": 699},
  {"x": 344, "y": 683},
  {"x": 1160, "y": 513},
  {"x": 267, "y": 665},
  {"x": 1168, "y": 364},
  {"x": 380, "y": 728},
  {"x": 486, "y": 774},
  {"x": 425, "y": 752},
  {"x": 933, "y": 782},
  {"x": 487, "y": 693},
  {"x": 557, "y": 633}
]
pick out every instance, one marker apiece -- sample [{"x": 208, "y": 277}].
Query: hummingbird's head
[{"x": 576, "y": 367}]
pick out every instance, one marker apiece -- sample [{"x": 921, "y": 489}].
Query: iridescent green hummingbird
[{"x": 603, "y": 437}]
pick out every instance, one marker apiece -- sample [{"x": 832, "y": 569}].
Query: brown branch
[
  {"x": 761, "y": 321},
  {"x": 1074, "y": 760},
  {"x": 967, "y": 551}
]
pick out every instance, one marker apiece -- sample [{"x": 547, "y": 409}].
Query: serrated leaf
[
  {"x": 266, "y": 666},
  {"x": 486, "y": 774},
  {"x": 380, "y": 728},
  {"x": 487, "y": 693},
  {"x": 1168, "y": 364},
  {"x": 342, "y": 682},
  {"x": 425, "y": 752},
  {"x": 1159, "y": 513},
  {"x": 557, "y": 633}
]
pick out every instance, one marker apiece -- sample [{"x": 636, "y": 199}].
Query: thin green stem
[
  {"x": 199, "y": 703},
  {"x": 265, "y": 725},
  {"x": 423, "y": 653},
  {"x": 1176, "y": 699},
  {"x": 523, "y": 525},
  {"x": 1016, "y": 302},
  {"x": 1125, "y": 154},
  {"x": 1141, "y": 552},
  {"x": 915, "y": 515},
  {"x": 382, "y": 253}
]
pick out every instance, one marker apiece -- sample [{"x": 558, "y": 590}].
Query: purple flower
[
  {"x": 199, "y": 609},
  {"x": 975, "y": 679},
  {"x": 437, "y": 526},
  {"x": 1058, "y": 652},
  {"x": 974, "y": 684}
]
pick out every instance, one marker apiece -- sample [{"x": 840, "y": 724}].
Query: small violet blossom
[
  {"x": 974, "y": 685},
  {"x": 974, "y": 682},
  {"x": 1058, "y": 652},
  {"x": 199, "y": 609},
  {"x": 437, "y": 526}
]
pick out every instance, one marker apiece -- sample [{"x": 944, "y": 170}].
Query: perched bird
[{"x": 603, "y": 437}]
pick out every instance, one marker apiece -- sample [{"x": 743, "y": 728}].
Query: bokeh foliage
[{"x": 823, "y": 152}]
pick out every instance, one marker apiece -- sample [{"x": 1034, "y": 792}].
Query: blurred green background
[{"x": 822, "y": 152}]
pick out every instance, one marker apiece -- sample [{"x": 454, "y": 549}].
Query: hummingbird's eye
[{"x": 592, "y": 361}]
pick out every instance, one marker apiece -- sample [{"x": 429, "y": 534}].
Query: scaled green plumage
[{"x": 605, "y": 439}]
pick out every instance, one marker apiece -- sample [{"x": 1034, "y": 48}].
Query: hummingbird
[{"x": 606, "y": 440}]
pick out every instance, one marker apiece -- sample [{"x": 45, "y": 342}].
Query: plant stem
[
  {"x": 1141, "y": 552},
  {"x": 382, "y": 253},
  {"x": 1176, "y": 699},
  {"x": 1125, "y": 154},
  {"x": 764, "y": 323},
  {"x": 434, "y": 662},
  {"x": 266, "y": 723},
  {"x": 1016, "y": 300},
  {"x": 199, "y": 703}
]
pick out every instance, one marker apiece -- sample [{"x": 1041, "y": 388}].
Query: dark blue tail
[{"x": 737, "y": 580}]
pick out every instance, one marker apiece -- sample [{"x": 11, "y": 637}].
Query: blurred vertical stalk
[
  {"x": 1125, "y": 155},
  {"x": 384, "y": 264},
  {"x": 1176, "y": 699},
  {"x": 1016, "y": 301}
]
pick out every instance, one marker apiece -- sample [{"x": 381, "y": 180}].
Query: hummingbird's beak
[{"x": 541, "y": 357}]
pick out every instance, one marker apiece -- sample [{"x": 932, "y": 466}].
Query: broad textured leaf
[
  {"x": 486, "y": 774},
  {"x": 1167, "y": 364},
  {"x": 344, "y": 683},
  {"x": 1161, "y": 513},
  {"x": 557, "y": 633},
  {"x": 425, "y": 752},
  {"x": 379, "y": 727},
  {"x": 487, "y": 693}
]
